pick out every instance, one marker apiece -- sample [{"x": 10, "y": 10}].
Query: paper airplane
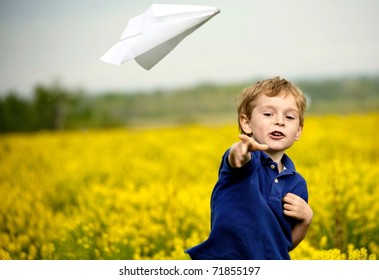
[{"x": 150, "y": 36}]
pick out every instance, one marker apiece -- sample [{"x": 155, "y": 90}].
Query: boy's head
[{"x": 270, "y": 87}]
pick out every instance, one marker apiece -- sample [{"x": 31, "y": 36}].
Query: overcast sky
[{"x": 46, "y": 40}]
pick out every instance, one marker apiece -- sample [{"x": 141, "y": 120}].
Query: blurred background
[
  {"x": 52, "y": 78},
  {"x": 79, "y": 179}
]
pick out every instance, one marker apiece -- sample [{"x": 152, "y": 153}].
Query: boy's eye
[
  {"x": 290, "y": 117},
  {"x": 267, "y": 114}
]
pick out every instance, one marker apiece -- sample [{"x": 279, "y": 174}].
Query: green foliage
[
  {"x": 345, "y": 95},
  {"x": 14, "y": 114},
  {"x": 53, "y": 107}
]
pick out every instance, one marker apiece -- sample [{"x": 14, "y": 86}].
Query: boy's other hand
[
  {"x": 239, "y": 152},
  {"x": 294, "y": 206}
]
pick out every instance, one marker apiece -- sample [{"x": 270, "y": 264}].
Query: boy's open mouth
[{"x": 277, "y": 134}]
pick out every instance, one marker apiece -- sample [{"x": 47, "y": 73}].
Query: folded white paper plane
[{"x": 150, "y": 36}]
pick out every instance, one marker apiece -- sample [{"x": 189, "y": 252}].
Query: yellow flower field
[{"x": 144, "y": 193}]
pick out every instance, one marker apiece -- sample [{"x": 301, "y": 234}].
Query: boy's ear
[
  {"x": 298, "y": 133},
  {"x": 245, "y": 124}
]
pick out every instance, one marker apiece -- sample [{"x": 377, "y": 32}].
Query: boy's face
[{"x": 275, "y": 121}]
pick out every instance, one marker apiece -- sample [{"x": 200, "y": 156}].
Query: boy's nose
[{"x": 279, "y": 121}]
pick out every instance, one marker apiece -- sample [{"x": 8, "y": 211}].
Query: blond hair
[{"x": 270, "y": 87}]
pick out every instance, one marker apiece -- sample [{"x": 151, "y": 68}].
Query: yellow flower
[{"x": 144, "y": 193}]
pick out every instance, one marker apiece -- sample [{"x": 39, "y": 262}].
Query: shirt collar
[{"x": 287, "y": 162}]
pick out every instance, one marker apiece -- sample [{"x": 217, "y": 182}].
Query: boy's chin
[{"x": 276, "y": 149}]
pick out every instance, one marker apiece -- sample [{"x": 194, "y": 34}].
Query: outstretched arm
[
  {"x": 239, "y": 152},
  {"x": 296, "y": 207}
]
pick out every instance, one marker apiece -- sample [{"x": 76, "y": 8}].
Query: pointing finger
[{"x": 252, "y": 144}]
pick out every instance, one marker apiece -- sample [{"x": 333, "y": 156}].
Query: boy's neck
[{"x": 276, "y": 156}]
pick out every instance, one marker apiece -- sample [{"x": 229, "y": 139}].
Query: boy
[{"x": 259, "y": 205}]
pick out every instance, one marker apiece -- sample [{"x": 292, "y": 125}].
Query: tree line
[
  {"x": 50, "y": 108},
  {"x": 54, "y": 107}
]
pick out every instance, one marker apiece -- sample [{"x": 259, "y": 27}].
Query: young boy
[{"x": 259, "y": 205}]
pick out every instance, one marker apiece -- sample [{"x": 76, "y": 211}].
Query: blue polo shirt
[{"x": 247, "y": 220}]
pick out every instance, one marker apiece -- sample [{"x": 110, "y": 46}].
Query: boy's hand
[
  {"x": 239, "y": 152},
  {"x": 296, "y": 207}
]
